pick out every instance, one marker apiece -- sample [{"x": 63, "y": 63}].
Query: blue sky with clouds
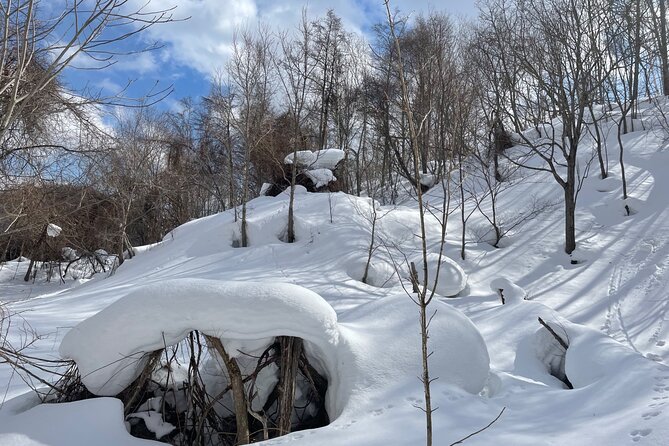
[{"x": 193, "y": 50}]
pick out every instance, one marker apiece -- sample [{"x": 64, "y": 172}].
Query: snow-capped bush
[{"x": 164, "y": 313}]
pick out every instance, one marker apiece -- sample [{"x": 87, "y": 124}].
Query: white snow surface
[
  {"x": 612, "y": 306},
  {"x": 83, "y": 423}
]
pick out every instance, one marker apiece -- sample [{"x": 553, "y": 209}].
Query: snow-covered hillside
[{"x": 612, "y": 306}]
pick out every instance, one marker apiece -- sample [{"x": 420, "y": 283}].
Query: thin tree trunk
[
  {"x": 664, "y": 56},
  {"x": 570, "y": 218},
  {"x": 238, "y": 393},
  {"x": 291, "y": 349}
]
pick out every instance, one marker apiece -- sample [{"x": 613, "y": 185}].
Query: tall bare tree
[{"x": 250, "y": 71}]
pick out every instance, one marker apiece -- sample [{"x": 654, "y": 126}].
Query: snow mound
[
  {"x": 110, "y": 347},
  {"x": 451, "y": 279},
  {"x": 511, "y": 292},
  {"x": 608, "y": 184},
  {"x": 459, "y": 354},
  {"x": 593, "y": 357}
]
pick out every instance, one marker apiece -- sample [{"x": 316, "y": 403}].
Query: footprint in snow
[
  {"x": 640, "y": 433},
  {"x": 654, "y": 357},
  {"x": 660, "y": 388},
  {"x": 649, "y": 415}
]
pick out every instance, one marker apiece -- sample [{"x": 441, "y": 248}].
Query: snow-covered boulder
[
  {"x": 459, "y": 354},
  {"x": 110, "y": 347},
  {"x": 327, "y": 159},
  {"x": 303, "y": 157},
  {"x": 320, "y": 177},
  {"x": 451, "y": 278}
]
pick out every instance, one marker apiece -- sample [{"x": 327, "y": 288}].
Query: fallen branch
[
  {"x": 480, "y": 430},
  {"x": 555, "y": 335}
]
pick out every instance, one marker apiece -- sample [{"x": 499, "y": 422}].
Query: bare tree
[
  {"x": 423, "y": 297},
  {"x": 295, "y": 73},
  {"x": 251, "y": 77},
  {"x": 556, "y": 61},
  {"x": 36, "y": 48}
]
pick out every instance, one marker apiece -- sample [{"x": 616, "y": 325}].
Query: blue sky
[{"x": 193, "y": 50}]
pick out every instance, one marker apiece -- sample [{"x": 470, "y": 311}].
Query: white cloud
[
  {"x": 140, "y": 63},
  {"x": 204, "y": 41}
]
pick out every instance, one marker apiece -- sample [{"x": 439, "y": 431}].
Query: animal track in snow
[
  {"x": 638, "y": 434},
  {"x": 649, "y": 415}
]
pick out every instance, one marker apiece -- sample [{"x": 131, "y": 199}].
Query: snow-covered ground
[{"x": 612, "y": 307}]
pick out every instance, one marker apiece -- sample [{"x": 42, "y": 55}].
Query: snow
[
  {"x": 154, "y": 422},
  {"x": 511, "y": 292},
  {"x": 612, "y": 307},
  {"x": 320, "y": 177},
  {"x": 53, "y": 230},
  {"x": 327, "y": 159},
  {"x": 428, "y": 179},
  {"x": 320, "y": 159},
  {"x": 303, "y": 157},
  {"x": 444, "y": 275},
  {"x": 108, "y": 363},
  {"x": 83, "y": 423}
]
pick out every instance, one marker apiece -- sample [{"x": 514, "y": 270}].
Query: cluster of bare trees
[{"x": 461, "y": 94}]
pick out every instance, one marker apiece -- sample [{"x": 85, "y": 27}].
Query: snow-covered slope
[{"x": 612, "y": 307}]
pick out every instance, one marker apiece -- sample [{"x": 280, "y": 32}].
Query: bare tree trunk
[
  {"x": 238, "y": 393},
  {"x": 570, "y": 217},
  {"x": 291, "y": 349},
  {"x": 463, "y": 218},
  {"x": 39, "y": 242},
  {"x": 370, "y": 251},
  {"x": 421, "y": 299},
  {"x": 664, "y": 56}
]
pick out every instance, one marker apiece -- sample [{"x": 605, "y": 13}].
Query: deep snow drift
[{"x": 611, "y": 307}]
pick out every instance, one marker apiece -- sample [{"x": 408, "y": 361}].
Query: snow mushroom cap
[{"x": 110, "y": 347}]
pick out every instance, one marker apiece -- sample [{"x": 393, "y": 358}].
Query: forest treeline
[{"x": 542, "y": 75}]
